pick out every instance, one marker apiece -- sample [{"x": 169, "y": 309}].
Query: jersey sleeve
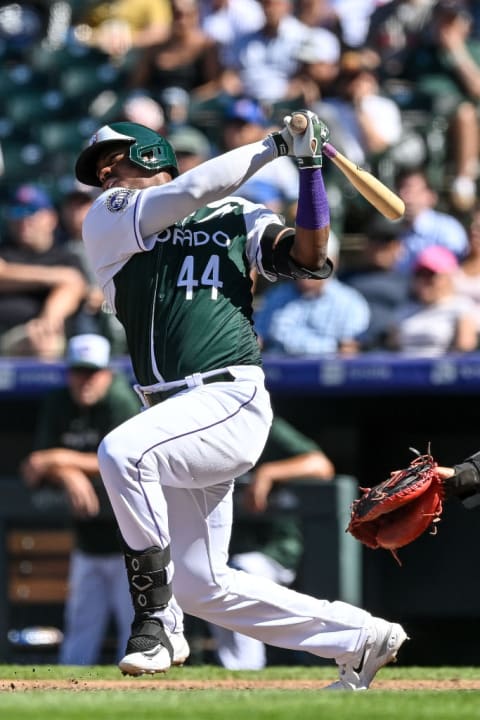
[{"x": 111, "y": 232}]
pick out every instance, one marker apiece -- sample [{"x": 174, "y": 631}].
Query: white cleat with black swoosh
[
  {"x": 152, "y": 649},
  {"x": 384, "y": 641}
]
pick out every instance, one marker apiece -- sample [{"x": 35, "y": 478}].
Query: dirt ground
[{"x": 124, "y": 684}]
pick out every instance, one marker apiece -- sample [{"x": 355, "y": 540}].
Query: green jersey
[{"x": 184, "y": 296}]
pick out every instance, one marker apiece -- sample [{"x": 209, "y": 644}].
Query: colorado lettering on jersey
[{"x": 185, "y": 237}]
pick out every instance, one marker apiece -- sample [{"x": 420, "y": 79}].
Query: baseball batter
[{"x": 173, "y": 256}]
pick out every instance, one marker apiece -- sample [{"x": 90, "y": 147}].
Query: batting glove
[{"x": 307, "y": 146}]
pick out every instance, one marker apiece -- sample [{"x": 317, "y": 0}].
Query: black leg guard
[
  {"x": 150, "y": 591},
  {"x": 147, "y": 578}
]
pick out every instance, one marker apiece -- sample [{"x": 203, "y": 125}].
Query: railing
[{"x": 329, "y": 375}]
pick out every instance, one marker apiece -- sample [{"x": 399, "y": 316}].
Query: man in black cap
[{"x": 383, "y": 286}]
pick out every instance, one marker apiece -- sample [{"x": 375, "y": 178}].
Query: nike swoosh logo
[{"x": 359, "y": 667}]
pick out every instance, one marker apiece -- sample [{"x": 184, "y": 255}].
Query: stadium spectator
[
  {"x": 226, "y": 20},
  {"x": 364, "y": 122},
  {"x": 71, "y": 423},
  {"x": 318, "y": 14},
  {"x": 395, "y": 28},
  {"x": 191, "y": 146},
  {"x": 117, "y": 27},
  {"x": 274, "y": 185},
  {"x": 436, "y": 320},
  {"x": 42, "y": 287},
  {"x": 467, "y": 278},
  {"x": 141, "y": 108},
  {"x": 319, "y": 58},
  {"x": 312, "y": 317},
  {"x": 270, "y": 545},
  {"x": 446, "y": 69},
  {"x": 262, "y": 64},
  {"x": 186, "y": 60},
  {"x": 23, "y": 25},
  {"x": 423, "y": 224},
  {"x": 353, "y": 17},
  {"x": 375, "y": 276},
  {"x": 95, "y": 316}
]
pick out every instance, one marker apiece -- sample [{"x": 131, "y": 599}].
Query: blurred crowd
[{"x": 396, "y": 81}]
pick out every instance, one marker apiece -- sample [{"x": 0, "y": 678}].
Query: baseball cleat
[
  {"x": 383, "y": 643},
  {"x": 148, "y": 662},
  {"x": 151, "y": 649},
  {"x": 181, "y": 648}
]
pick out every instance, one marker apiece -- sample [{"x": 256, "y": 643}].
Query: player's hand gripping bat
[{"x": 370, "y": 187}]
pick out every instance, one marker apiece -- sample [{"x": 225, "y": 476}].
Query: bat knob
[{"x": 298, "y": 123}]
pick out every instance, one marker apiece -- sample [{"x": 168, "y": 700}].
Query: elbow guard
[{"x": 276, "y": 243}]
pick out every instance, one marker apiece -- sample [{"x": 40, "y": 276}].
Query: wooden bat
[{"x": 371, "y": 188}]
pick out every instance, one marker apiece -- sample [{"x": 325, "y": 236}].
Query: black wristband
[{"x": 280, "y": 144}]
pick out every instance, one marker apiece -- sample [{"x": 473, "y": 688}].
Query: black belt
[{"x": 153, "y": 398}]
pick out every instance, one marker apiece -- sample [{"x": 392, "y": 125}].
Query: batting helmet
[{"x": 147, "y": 149}]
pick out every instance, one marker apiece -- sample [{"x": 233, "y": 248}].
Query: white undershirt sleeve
[{"x": 162, "y": 205}]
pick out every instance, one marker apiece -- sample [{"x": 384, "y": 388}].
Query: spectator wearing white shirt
[
  {"x": 364, "y": 123},
  {"x": 226, "y": 20},
  {"x": 261, "y": 64},
  {"x": 354, "y": 18}
]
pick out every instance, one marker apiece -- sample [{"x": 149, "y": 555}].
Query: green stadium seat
[
  {"x": 22, "y": 161},
  {"x": 82, "y": 83},
  {"x": 64, "y": 135},
  {"x": 29, "y": 106}
]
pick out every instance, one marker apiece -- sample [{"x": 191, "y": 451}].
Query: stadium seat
[
  {"x": 27, "y": 107},
  {"x": 64, "y": 135},
  {"x": 22, "y": 161},
  {"x": 18, "y": 77},
  {"x": 82, "y": 83}
]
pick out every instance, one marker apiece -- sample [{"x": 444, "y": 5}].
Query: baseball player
[{"x": 173, "y": 255}]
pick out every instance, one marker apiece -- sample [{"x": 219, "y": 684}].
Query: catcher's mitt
[{"x": 398, "y": 510}]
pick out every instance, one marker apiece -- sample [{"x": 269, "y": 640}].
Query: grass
[{"x": 77, "y": 701}]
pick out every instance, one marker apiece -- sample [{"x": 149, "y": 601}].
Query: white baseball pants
[{"x": 169, "y": 474}]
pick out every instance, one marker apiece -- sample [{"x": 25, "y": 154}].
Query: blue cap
[
  {"x": 27, "y": 200},
  {"x": 247, "y": 110}
]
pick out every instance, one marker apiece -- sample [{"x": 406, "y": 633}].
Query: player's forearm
[
  {"x": 313, "y": 465},
  {"x": 214, "y": 179},
  {"x": 467, "y": 69},
  {"x": 16, "y": 276},
  {"x": 55, "y": 460},
  {"x": 312, "y": 225}
]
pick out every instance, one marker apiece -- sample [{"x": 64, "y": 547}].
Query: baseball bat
[{"x": 371, "y": 188}]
